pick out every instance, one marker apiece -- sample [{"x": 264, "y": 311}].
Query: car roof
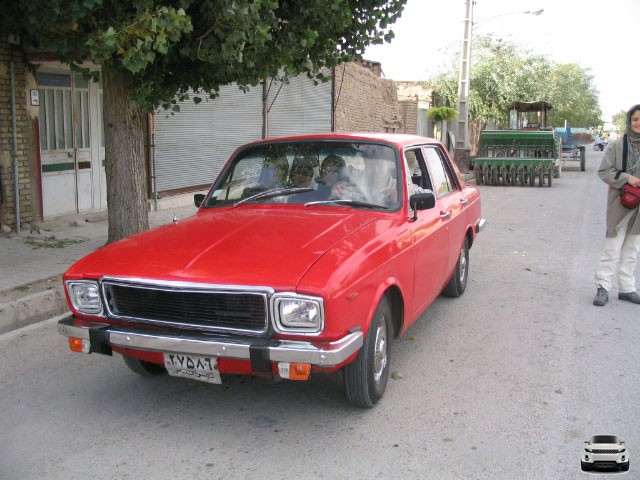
[{"x": 398, "y": 139}]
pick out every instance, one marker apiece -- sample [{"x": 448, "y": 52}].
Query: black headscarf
[{"x": 631, "y": 135}]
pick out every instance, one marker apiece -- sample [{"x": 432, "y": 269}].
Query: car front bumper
[
  {"x": 605, "y": 458},
  {"x": 99, "y": 337}
]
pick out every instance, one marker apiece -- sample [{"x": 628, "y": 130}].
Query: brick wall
[
  {"x": 409, "y": 113},
  {"x": 23, "y": 137},
  {"x": 365, "y": 102}
]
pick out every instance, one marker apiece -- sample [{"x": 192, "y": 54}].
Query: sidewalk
[{"x": 32, "y": 264}]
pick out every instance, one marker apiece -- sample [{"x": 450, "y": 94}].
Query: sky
[{"x": 596, "y": 35}]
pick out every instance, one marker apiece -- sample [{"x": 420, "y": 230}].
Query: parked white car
[{"x": 604, "y": 451}]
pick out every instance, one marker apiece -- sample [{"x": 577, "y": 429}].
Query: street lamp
[
  {"x": 464, "y": 79},
  {"x": 535, "y": 13}
]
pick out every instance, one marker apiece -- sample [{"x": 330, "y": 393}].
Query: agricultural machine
[
  {"x": 574, "y": 145},
  {"x": 526, "y": 152}
]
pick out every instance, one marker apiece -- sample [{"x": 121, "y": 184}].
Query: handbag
[{"x": 629, "y": 196}]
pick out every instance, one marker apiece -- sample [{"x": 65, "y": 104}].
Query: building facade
[{"x": 52, "y": 143}]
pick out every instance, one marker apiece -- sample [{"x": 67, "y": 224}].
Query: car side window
[
  {"x": 416, "y": 170},
  {"x": 443, "y": 180}
]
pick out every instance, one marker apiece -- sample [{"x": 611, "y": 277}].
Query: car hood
[
  {"x": 248, "y": 245},
  {"x": 604, "y": 446}
]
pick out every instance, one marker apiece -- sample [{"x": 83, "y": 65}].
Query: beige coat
[{"x": 609, "y": 168}]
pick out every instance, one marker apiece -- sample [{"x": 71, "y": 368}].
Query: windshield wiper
[
  {"x": 274, "y": 192},
  {"x": 351, "y": 203}
]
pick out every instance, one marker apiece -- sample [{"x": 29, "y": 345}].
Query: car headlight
[
  {"x": 85, "y": 296},
  {"x": 294, "y": 313},
  {"x": 590, "y": 450},
  {"x": 620, "y": 450}
]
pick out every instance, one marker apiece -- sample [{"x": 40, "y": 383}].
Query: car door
[
  {"x": 450, "y": 200},
  {"x": 430, "y": 237}
]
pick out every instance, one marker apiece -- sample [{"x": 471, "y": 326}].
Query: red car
[{"x": 308, "y": 254}]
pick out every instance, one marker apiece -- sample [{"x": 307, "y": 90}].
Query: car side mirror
[
  {"x": 422, "y": 201},
  {"x": 198, "y": 198}
]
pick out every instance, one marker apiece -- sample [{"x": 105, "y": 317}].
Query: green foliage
[
  {"x": 440, "y": 114},
  {"x": 502, "y": 72},
  {"x": 167, "y": 47},
  {"x": 620, "y": 121},
  {"x": 573, "y": 96}
]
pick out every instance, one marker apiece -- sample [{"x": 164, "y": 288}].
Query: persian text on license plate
[{"x": 196, "y": 367}]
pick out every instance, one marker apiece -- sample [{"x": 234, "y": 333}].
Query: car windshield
[{"x": 311, "y": 173}]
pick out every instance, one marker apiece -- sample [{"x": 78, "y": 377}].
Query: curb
[{"x": 32, "y": 308}]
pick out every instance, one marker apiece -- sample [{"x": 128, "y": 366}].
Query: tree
[
  {"x": 574, "y": 98},
  {"x": 620, "y": 121},
  {"x": 152, "y": 52},
  {"x": 502, "y": 73}
]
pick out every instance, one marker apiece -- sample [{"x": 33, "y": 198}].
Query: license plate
[{"x": 195, "y": 367}]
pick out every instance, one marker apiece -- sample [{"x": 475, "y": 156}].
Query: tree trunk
[{"x": 124, "y": 159}]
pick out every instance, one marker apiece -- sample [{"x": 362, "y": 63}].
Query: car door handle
[
  {"x": 464, "y": 201},
  {"x": 445, "y": 215}
]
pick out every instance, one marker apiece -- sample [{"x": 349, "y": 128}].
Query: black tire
[
  {"x": 583, "y": 159},
  {"x": 478, "y": 172},
  {"x": 550, "y": 179},
  {"x": 365, "y": 379},
  {"x": 624, "y": 467},
  {"x": 585, "y": 466},
  {"x": 458, "y": 282},
  {"x": 146, "y": 369},
  {"x": 541, "y": 177},
  {"x": 532, "y": 177}
]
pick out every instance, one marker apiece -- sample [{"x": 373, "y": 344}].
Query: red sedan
[{"x": 308, "y": 254}]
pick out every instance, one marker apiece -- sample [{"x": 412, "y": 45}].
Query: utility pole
[{"x": 462, "y": 134}]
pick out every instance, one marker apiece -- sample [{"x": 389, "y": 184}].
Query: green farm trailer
[{"x": 520, "y": 156}]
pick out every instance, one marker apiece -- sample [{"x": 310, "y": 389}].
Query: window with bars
[{"x": 64, "y": 112}]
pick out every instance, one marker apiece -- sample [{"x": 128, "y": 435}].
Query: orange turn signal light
[
  {"x": 294, "y": 371},
  {"x": 79, "y": 345}
]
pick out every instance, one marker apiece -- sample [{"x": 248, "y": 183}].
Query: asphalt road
[{"x": 505, "y": 382}]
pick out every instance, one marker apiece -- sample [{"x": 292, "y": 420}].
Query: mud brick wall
[
  {"x": 9, "y": 54},
  {"x": 365, "y": 102},
  {"x": 409, "y": 114}
]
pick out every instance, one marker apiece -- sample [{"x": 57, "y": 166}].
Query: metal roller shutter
[
  {"x": 192, "y": 145},
  {"x": 300, "y": 107}
]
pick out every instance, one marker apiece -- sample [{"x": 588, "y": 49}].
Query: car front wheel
[{"x": 365, "y": 379}]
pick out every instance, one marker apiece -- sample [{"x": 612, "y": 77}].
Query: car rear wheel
[
  {"x": 365, "y": 379},
  {"x": 624, "y": 467},
  {"x": 458, "y": 282},
  {"x": 146, "y": 369}
]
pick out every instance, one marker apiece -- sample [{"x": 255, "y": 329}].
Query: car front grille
[
  {"x": 192, "y": 306},
  {"x": 605, "y": 451}
]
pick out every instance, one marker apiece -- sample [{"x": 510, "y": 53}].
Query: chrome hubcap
[
  {"x": 380, "y": 352},
  {"x": 463, "y": 264}
]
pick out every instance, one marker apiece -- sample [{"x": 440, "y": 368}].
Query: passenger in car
[
  {"x": 274, "y": 174},
  {"x": 331, "y": 173},
  {"x": 301, "y": 173}
]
